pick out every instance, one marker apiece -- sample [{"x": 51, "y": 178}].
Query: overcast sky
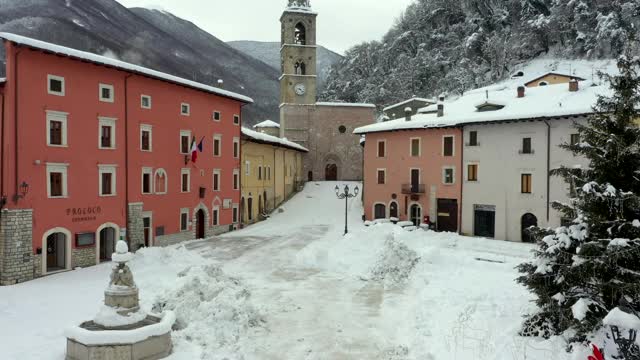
[{"x": 341, "y": 23}]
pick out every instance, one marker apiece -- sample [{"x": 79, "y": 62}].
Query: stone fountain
[{"x": 121, "y": 330}]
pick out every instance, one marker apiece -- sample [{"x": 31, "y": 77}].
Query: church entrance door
[{"x": 331, "y": 172}]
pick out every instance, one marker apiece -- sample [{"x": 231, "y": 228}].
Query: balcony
[{"x": 413, "y": 189}]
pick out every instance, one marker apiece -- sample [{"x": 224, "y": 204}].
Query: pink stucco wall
[{"x": 398, "y": 162}]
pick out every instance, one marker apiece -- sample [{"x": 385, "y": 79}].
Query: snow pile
[
  {"x": 213, "y": 311},
  {"x": 108, "y": 316},
  {"x": 395, "y": 263}
]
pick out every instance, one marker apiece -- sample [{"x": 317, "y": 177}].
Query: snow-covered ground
[{"x": 293, "y": 287}]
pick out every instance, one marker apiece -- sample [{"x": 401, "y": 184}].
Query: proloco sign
[{"x": 84, "y": 214}]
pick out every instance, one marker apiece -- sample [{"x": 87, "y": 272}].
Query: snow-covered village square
[{"x": 295, "y": 179}]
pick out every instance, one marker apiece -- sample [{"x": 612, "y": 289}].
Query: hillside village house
[
  {"x": 95, "y": 149},
  {"x": 271, "y": 173},
  {"x": 399, "y": 110},
  {"x": 268, "y": 127},
  {"x": 510, "y": 137}
]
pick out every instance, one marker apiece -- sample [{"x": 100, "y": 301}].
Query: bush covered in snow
[{"x": 395, "y": 263}]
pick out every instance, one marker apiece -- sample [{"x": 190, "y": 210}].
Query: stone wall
[
  {"x": 135, "y": 226},
  {"x": 16, "y": 249},
  {"x": 83, "y": 257}
]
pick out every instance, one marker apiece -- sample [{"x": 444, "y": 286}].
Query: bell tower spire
[{"x": 298, "y": 54}]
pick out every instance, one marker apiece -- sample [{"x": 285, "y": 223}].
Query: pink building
[
  {"x": 413, "y": 173},
  {"x": 95, "y": 149}
]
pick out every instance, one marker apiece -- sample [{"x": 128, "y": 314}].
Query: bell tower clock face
[{"x": 300, "y": 89}]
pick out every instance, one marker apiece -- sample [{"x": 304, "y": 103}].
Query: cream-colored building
[{"x": 271, "y": 172}]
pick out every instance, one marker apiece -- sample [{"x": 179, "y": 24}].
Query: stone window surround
[
  {"x": 68, "y": 250},
  {"x": 453, "y": 145},
  {"x": 142, "y": 98},
  {"x": 373, "y": 209},
  {"x": 218, "y": 173},
  {"x": 235, "y": 213},
  {"x": 236, "y": 181},
  {"x": 419, "y": 146},
  {"x": 185, "y": 106},
  {"x": 384, "y": 155},
  {"x": 110, "y": 122},
  {"x": 218, "y": 138},
  {"x": 185, "y": 171},
  {"x": 107, "y": 169},
  {"x": 149, "y": 129},
  {"x": 166, "y": 181},
  {"x": 217, "y": 116},
  {"x": 236, "y": 119},
  {"x": 444, "y": 175},
  {"x": 61, "y": 168},
  {"x": 215, "y": 217},
  {"x": 149, "y": 171},
  {"x": 384, "y": 180},
  {"x": 185, "y": 133},
  {"x": 55, "y": 77},
  {"x": 182, "y": 212},
  {"x": 109, "y": 99},
  {"x": 236, "y": 147},
  {"x": 61, "y": 117}
]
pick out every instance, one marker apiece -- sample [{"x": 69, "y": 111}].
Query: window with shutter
[
  {"x": 448, "y": 146},
  {"x": 381, "y": 176},
  {"x": 472, "y": 172},
  {"x": 184, "y": 144},
  {"x": 56, "y": 184},
  {"x": 106, "y": 184},
  {"x": 526, "y": 146},
  {"x": 526, "y": 183},
  {"x": 381, "y": 149},
  {"x": 185, "y": 182},
  {"x": 145, "y": 143},
  {"x": 55, "y": 132},
  {"x": 473, "y": 138},
  {"x": 415, "y": 147},
  {"x": 105, "y": 138}
]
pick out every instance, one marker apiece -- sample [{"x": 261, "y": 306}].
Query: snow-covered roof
[
  {"x": 339, "y": 104},
  {"x": 428, "y": 109},
  {"x": 540, "y": 76},
  {"x": 102, "y": 60},
  {"x": 431, "y": 101},
  {"x": 264, "y": 138},
  {"x": 538, "y": 103},
  {"x": 267, "y": 124}
]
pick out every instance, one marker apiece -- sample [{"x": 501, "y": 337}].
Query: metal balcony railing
[{"x": 413, "y": 188}]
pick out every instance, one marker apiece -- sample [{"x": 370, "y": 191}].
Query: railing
[{"x": 413, "y": 188}]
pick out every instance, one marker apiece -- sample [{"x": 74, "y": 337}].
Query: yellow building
[
  {"x": 271, "y": 173},
  {"x": 551, "y": 78}
]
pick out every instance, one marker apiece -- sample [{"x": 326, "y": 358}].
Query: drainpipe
[
  {"x": 548, "y": 169},
  {"x": 15, "y": 133},
  {"x": 126, "y": 158},
  {"x": 3, "y": 117},
  {"x": 461, "y": 179},
  {"x": 275, "y": 197}
]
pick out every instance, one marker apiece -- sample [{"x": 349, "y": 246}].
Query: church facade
[{"x": 326, "y": 129}]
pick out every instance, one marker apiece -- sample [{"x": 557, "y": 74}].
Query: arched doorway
[
  {"x": 528, "y": 220},
  {"x": 242, "y": 207},
  {"x": 379, "y": 211},
  {"x": 250, "y": 209},
  {"x": 331, "y": 172},
  {"x": 107, "y": 246},
  {"x": 200, "y": 224},
  {"x": 266, "y": 201},
  {"x": 57, "y": 255},
  {"x": 260, "y": 209},
  {"x": 415, "y": 213},
  {"x": 310, "y": 176},
  {"x": 393, "y": 210}
]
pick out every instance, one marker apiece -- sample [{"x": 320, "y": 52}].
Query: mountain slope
[
  {"x": 269, "y": 53},
  {"x": 150, "y": 38}
]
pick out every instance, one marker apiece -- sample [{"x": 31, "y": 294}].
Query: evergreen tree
[{"x": 583, "y": 271}]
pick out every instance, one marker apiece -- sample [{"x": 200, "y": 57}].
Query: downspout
[
  {"x": 126, "y": 157},
  {"x": 2, "y": 115},
  {"x": 15, "y": 133},
  {"x": 275, "y": 197},
  {"x": 548, "y": 169},
  {"x": 459, "y": 214}
]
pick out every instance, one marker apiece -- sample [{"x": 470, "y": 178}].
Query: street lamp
[{"x": 346, "y": 195}]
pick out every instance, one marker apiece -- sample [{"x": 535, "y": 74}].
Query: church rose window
[{"x": 342, "y": 129}]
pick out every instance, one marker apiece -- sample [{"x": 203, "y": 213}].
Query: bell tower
[{"x": 298, "y": 54}]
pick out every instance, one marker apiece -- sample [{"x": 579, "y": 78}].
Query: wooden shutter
[
  {"x": 216, "y": 147},
  {"x": 448, "y": 146},
  {"x": 526, "y": 145},
  {"x": 526, "y": 183},
  {"x": 55, "y": 132},
  {"x": 105, "y": 138},
  {"x": 216, "y": 181},
  {"x": 381, "y": 149},
  {"x": 145, "y": 140},
  {"x": 472, "y": 172},
  {"x": 473, "y": 138},
  {"x": 415, "y": 147},
  {"x": 381, "y": 177},
  {"x": 185, "y": 182},
  {"x": 56, "y": 183},
  {"x": 146, "y": 183},
  {"x": 106, "y": 184}
]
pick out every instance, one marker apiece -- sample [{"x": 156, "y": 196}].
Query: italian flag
[{"x": 195, "y": 147}]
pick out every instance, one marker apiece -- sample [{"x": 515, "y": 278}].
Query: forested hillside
[{"x": 449, "y": 46}]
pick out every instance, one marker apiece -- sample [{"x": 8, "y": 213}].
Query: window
[
  {"x": 236, "y": 147},
  {"x": 448, "y": 174},
  {"x": 185, "y": 180},
  {"x": 145, "y": 101},
  {"x": 259, "y": 172},
  {"x": 382, "y": 151},
  {"x": 269, "y": 173},
  {"x": 160, "y": 182},
  {"x": 107, "y": 179},
  {"x": 57, "y": 180},
  {"x": 56, "y": 128},
  {"x": 472, "y": 172},
  {"x": 184, "y": 219},
  {"x": 526, "y": 146},
  {"x": 342, "y": 129},
  {"x": 236, "y": 179},
  {"x": 216, "y": 116},
  {"x": 185, "y": 109},
  {"x": 236, "y": 119},
  {"x": 55, "y": 85},
  {"x": 525, "y": 183},
  {"x": 185, "y": 139},
  {"x": 543, "y": 83},
  {"x": 107, "y": 133},
  {"x": 217, "y": 145},
  {"x": 447, "y": 146},
  {"x": 415, "y": 147},
  {"x": 216, "y": 180},
  {"x": 473, "y": 138},
  {"x": 248, "y": 168},
  {"x": 575, "y": 139},
  {"x": 381, "y": 176},
  {"x": 145, "y": 137},
  {"x": 147, "y": 187},
  {"x": 235, "y": 213},
  {"x": 105, "y": 93},
  {"x": 216, "y": 215}
]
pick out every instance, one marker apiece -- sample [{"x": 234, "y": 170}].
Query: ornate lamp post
[{"x": 346, "y": 195}]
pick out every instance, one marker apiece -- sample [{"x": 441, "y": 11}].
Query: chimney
[
  {"x": 407, "y": 113},
  {"x": 440, "y": 109},
  {"x": 521, "y": 91},
  {"x": 220, "y": 83},
  {"x": 573, "y": 85}
]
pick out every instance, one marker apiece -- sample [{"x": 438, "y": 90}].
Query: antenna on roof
[{"x": 487, "y": 94}]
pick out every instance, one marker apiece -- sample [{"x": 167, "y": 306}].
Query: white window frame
[
  {"x": 217, "y": 137},
  {"x": 453, "y": 175},
  {"x": 59, "y": 78},
  {"x": 215, "y": 215},
  {"x": 111, "y": 91},
  {"x": 146, "y": 170},
  {"x": 186, "y": 171},
  {"x": 107, "y": 169},
  {"x": 219, "y": 114},
  {"x": 186, "y": 133},
  {"x": 385, "y": 176},
  {"x": 411, "y": 147},
  {"x": 453, "y": 145},
  {"x": 55, "y": 168},
  {"x": 247, "y": 170},
  {"x": 182, "y": 212},
  {"x": 182, "y": 106},
  {"x": 218, "y": 173},
  {"x": 166, "y": 181},
  {"x": 110, "y": 122},
  {"x": 148, "y": 128},
  {"x": 236, "y": 184},
  {"x": 236, "y": 119},
  {"x": 378, "y": 149},
  {"x": 419, "y": 175},
  {"x": 236, "y": 142},
  {"x": 61, "y": 117},
  {"x": 142, "y": 97},
  {"x": 235, "y": 213}
]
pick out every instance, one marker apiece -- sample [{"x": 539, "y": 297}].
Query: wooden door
[
  {"x": 380, "y": 211},
  {"x": 331, "y": 172},
  {"x": 147, "y": 231},
  {"x": 200, "y": 224},
  {"x": 393, "y": 210},
  {"x": 52, "y": 251},
  {"x": 415, "y": 180},
  {"x": 416, "y": 214},
  {"x": 447, "y": 215}
]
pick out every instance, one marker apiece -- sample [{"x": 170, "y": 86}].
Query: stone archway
[
  {"x": 200, "y": 219},
  {"x": 332, "y": 167},
  {"x": 526, "y": 222},
  {"x": 107, "y": 235},
  {"x": 58, "y": 256}
]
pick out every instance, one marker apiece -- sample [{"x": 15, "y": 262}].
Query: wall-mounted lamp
[
  {"x": 3, "y": 201},
  {"x": 23, "y": 189}
]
